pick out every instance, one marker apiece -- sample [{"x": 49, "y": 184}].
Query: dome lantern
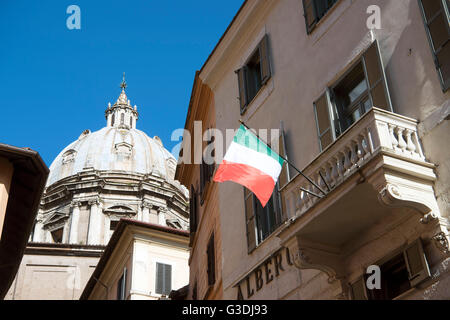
[{"x": 122, "y": 114}]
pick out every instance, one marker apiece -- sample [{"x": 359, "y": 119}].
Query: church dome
[{"x": 117, "y": 147}]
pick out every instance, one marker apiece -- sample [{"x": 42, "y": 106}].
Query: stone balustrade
[{"x": 377, "y": 131}]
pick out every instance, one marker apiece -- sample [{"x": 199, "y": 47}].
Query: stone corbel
[
  {"x": 391, "y": 195},
  {"x": 146, "y": 204},
  {"x": 441, "y": 242},
  {"x": 94, "y": 202},
  {"x": 312, "y": 258}
]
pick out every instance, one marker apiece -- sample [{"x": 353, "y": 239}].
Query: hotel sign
[{"x": 264, "y": 274}]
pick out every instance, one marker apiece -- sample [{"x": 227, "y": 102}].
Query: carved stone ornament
[
  {"x": 441, "y": 242},
  {"x": 302, "y": 260},
  {"x": 392, "y": 196},
  {"x": 94, "y": 202}
]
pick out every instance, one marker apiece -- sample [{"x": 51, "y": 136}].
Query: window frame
[
  {"x": 164, "y": 264},
  {"x": 122, "y": 285},
  {"x": 263, "y": 49},
  {"x": 312, "y": 27},
  {"x": 445, "y": 85},
  {"x": 211, "y": 260}
]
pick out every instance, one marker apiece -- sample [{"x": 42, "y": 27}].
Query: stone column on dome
[
  {"x": 154, "y": 215},
  {"x": 95, "y": 227},
  {"x": 146, "y": 206},
  {"x": 38, "y": 231},
  {"x": 162, "y": 216},
  {"x": 73, "y": 238},
  {"x": 106, "y": 228}
]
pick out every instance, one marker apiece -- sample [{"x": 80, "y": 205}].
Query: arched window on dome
[
  {"x": 131, "y": 122},
  {"x": 112, "y": 120},
  {"x": 122, "y": 118}
]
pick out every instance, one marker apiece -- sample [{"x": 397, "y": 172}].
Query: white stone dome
[{"x": 117, "y": 147}]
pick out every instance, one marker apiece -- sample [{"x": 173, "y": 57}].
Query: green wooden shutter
[
  {"x": 436, "y": 19},
  {"x": 242, "y": 82},
  {"x": 358, "y": 289},
  {"x": 376, "y": 78},
  {"x": 265, "y": 60},
  {"x": 310, "y": 15},
  {"x": 163, "y": 278},
  {"x": 167, "y": 279},
  {"x": 416, "y": 262},
  {"x": 325, "y": 125},
  {"x": 250, "y": 220}
]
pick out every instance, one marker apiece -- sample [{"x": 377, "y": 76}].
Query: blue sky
[{"x": 56, "y": 82}]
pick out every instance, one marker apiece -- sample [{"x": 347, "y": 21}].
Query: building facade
[
  {"x": 116, "y": 172},
  {"x": 22, "y": 181},
  {"x": 359, "y": 91},
  {"x": 205, "y": 282},
  {"x": 143, "y": 261}
]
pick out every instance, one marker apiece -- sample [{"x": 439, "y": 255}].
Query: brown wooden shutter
[
  {"x": 325, "y": 128},
  {"x": 358, "y": 289},
  {"x": 193, "y": 210},
  {"x": 310, "y": 15},
  {"x": 285, "y": 174},
  {"x": 242, "y": 82},
  {"x": 416, "y": 262},
  {"x": 250, "y": 219},
  {"x": 210, "y": 253},
  {"x": 376, "y": 78},
  {"x": 265, "y": 59},
  {"x": 434, "y": 13}
]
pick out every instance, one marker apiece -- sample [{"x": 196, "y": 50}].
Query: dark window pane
[
  {"x": 57, "y": 235},
  {"x": 431, "y": 7},
  {"x": 309, "y": 13},
  {"x": 439, "y": 31}
]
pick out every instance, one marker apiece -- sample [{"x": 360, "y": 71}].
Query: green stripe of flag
[{"x": 248, "y": 139}]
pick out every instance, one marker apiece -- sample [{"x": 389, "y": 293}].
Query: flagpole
[{"x": 294, "y": 167}]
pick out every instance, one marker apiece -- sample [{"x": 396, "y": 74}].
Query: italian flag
[{"x": 251, "y": 163}]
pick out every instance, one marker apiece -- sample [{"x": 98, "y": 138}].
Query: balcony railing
[{"x": 378, "y": 131}]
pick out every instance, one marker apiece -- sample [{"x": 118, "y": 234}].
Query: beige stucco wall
[
  {"x": 139, "y": 250},
  {"x": 50, "y": 277},
  {"x": 6, "y": 172},
  {"x": 303, "y": 66}
]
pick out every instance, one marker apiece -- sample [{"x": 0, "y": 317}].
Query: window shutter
[
  {"x": 250, "y": 220},
  {"x": 435, "y": 16},
  {"x": 358, "y": 289},
  {"x": 159, "y": 278},
  {"x": 416, "y": 262},
  {"x": 265, "y": 59},
  {"x": 376, "y": 78},
  {"x": 242, "y": 82},
  {"x": 193, "y": 210},
  {"x": 310, "y": 15},
  {"x": 285, "y": 174},
  {"x": 325, "y": 127},
  {"x": 211, "y": 261},
  {"x": 167, "y": 279}
]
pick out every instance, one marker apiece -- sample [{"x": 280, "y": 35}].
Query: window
[
  {"x": 194, "y": 292},
  {"x": 206, "y": 171},
  {"x": 254, "y": 74},
  {"x": 57, "y": 235},
  {"x": 112, "y": 120},
  {"x": 314, "y": 10},
  {"x": 398, "y": 275},
  {"x": 435, "y": 14},
  {"x": 210, "y": 253},
  {"x": 362, "y": 87},
  {"x": 131, "y": 122},
  {"x": 121, "y": 286},
  {"x": 193, "y": 215},
  {"x": 122, "y": 118},
  {"x": 113, "y": 224},
  {"x": 163, "y": 278},
  {"x": 261, "y": 222}
]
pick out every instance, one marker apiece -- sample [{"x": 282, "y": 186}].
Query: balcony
[{"x": 375, "y": 171}]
